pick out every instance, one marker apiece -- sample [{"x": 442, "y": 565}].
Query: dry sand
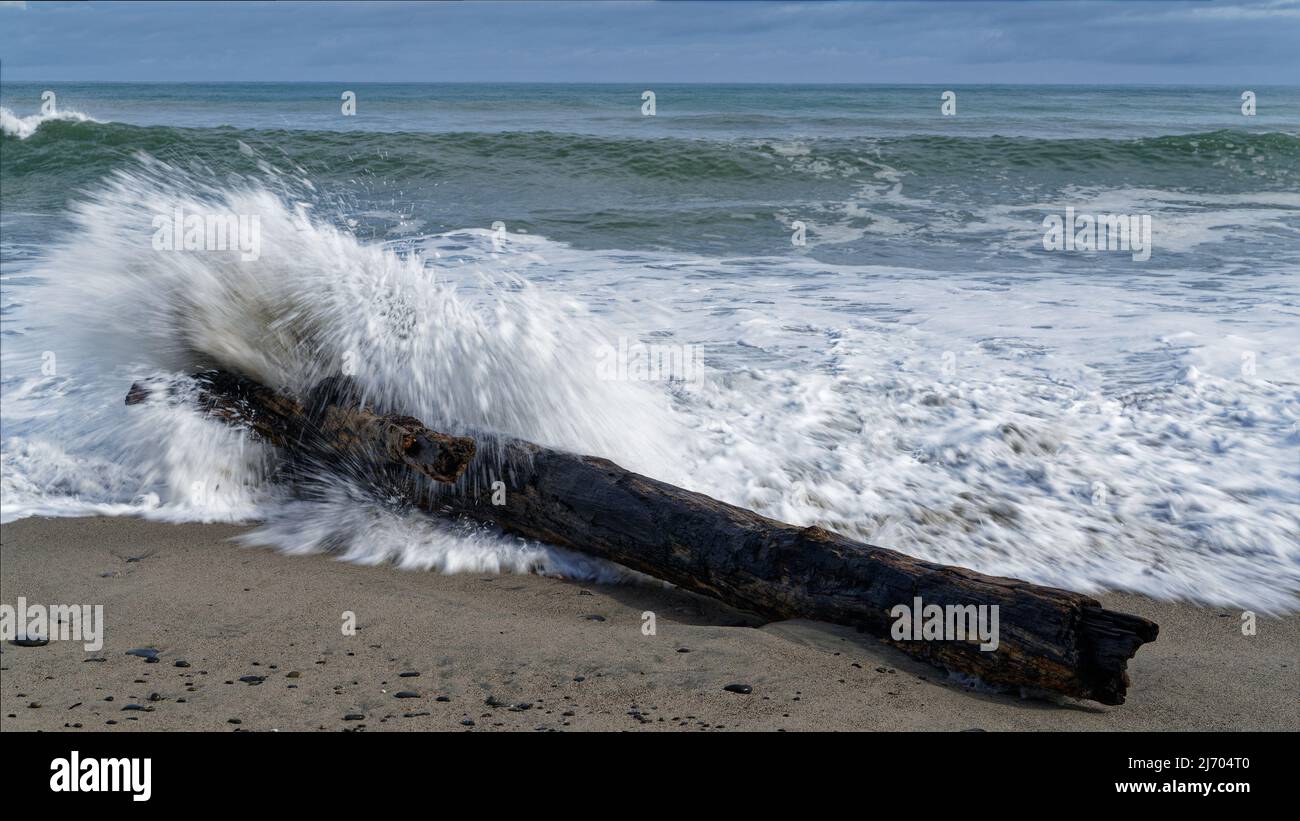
[{"x": 573, "y": 651}]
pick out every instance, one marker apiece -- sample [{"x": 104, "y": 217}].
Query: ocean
[{"x": 890, "y": 345}]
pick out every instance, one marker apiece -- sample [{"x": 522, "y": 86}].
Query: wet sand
[{"x": 574, "y": 653}]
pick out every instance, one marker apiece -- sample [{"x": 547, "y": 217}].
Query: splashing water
[
  {"x": 1068, "y": 445},
  {"x": 466, "y": 348}
]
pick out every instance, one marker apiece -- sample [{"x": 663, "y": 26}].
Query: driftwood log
[
  {"x": 327, "y": 428},
  {"x": 1049, "y": 639}
]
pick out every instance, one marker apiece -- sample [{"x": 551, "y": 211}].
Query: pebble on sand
[{"x": 743, "y": 689}]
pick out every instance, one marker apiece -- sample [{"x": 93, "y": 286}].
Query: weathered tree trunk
[
  {"x": 328, "y": 428},
  {"x": 1048, "y": 639}
]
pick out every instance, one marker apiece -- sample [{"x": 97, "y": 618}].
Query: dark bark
[
  {"x": 327, "y": 428},
  {"x": 1049, "y": 639}
]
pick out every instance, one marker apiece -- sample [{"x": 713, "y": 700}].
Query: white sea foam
[{"x": 1038, "y": 431}]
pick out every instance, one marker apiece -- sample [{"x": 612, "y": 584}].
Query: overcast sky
[{"x": 1176, "y": 41}]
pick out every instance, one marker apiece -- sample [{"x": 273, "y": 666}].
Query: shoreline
[{"x": 574, "y": 652}]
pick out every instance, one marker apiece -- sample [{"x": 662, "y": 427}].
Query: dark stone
[
  {"x": 743, "y": 689},
  {"x": 407, "y": 694},
  {"x": 409, "y": 674},
  {"x": 442, "y": 698},
  {"x": 29, "y": 641},
  {"x": 354, "y": 717},
  {"x": 181, "y": 663},
  {"x": 252, "y": 680}
]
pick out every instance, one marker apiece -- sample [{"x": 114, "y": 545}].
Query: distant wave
[
  {"x": 23, "y": 127},
  {"x": 1266, "y": 160}
]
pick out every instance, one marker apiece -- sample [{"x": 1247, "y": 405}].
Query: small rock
[
  {"x": 469, "y": 722},
  {"x": 407, "y": 694},
  {"x": 594, "y": 617},
  {"x": 743, "y": 689},
  {"x": 29, "y": 641},
  {"x": 442, "y": 698},
  {"x": 408, "y": 674},
  {"x": 293, "y": 674},
  {"x": 233, "y": 721},
  {"x": 252, "y": 680},
  {"x": 354, "y": 717},
  {"x": 181, "y": 663}
]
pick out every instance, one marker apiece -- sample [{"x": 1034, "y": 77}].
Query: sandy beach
[{"x": 252, "y": 640}]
